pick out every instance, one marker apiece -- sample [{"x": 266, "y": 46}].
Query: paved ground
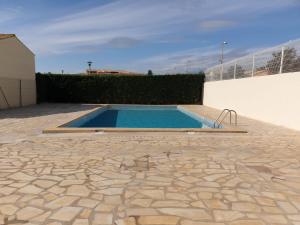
[{"x": 145, "y": 179}]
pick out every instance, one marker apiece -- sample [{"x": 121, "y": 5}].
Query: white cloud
[
  {"x": 138, "y": 20},
  {"x": 182, "y": 61},
  {"x": 192, "y": 60},
  {"x": 7, "y": 14}
]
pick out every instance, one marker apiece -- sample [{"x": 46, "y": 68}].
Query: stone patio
[{"x": 145, "y": 178}]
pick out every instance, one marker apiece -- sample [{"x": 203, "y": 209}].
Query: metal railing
[
  {"x": 283, "y": 58},
  {"x": 218, "y": 122}
]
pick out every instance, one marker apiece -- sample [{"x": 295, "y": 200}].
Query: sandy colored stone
[
  {"x": 154, "y": 194},
  {"x": 274, "y": 195},
  {"x": 103, "y": 218},
  {"x": 104, "y": 207},
  {"x": 54, "y": 223},
  {"x": 177, "y": 196},
  {"x": 169, "y": 203},
  {"x": 88, "y": 203},
  {"x": 196, "y": 214},
  {"x": 245, "y": 207},
  {"x": 275, "y": 219},
  {"x": 191, "y": 222},
  {"x": 81, "y": 222},
  {"x": 226, "y": 215},
  {"x": 42, "y": 218},
  {"x": 85, "y": 214},
  {"x": 70, "y": 182},
  {"x": 205, "y": 195},
  {"x": 143, "y": 202},
  {"x": 44, "y": 183},
  {"x": 295, "y": 217},
  {"x": 20, "y": 176},
  {"x": 78, "y": 190},
  {"x": 189, "y": 179},
  {"x": 129, "y": 194},
  {"x": 215, "y": 204},
  {"x": 270, "y": 209},
  {"x": 61, "y": 202},
  {"x": 247, "y": 222},
  {"x": 141, "y": 212},
  {"x": 50, "y": 197},
  {"x": 198, "y": 204},
  {"x": 3, "y": 219},
  {"x": 56, "y": 190},
  {"x": 8, "y": 209},
  {"x": 265, "y": 201},
  {"x": 245, "y": 198},
  {"x": 126, "y": 221},
  {"x": 28, "y": 213},
  {"x": 287, "y": 207},
  {"x": 114, "y": 199},
  {"x": 37, "y": 202},
  {"x": 7, "y": 190},
  {"x": 30, "y": 189},
  {"x": 111, "y": 191},
  {"x": 9, "y": 199},
  {"x": 215, "y": 177},
  {"x": 113, "y": 175},
  {"x": 159, "y": 220},
  {"x": 66, "y": 214}
]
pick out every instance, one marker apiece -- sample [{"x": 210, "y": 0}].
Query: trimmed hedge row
[{"x": 164, "y": 89}]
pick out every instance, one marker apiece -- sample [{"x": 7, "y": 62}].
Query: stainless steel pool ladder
[
  {"x": 222, "y": 117},
  {"x": 5, "y": 99}
]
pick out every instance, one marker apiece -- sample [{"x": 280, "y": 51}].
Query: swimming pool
[{"x": 118, "y": 116}]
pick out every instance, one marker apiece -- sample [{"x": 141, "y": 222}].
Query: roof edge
[{"x": 6, "y": 36}]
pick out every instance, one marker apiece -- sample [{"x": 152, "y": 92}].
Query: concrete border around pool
[{"x": 60, "y": 129}]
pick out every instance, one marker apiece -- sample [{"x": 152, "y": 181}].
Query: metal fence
[{"x": 284, "y": 58}]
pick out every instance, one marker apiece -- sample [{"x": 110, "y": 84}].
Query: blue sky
[{"x": 138, "y": 35}]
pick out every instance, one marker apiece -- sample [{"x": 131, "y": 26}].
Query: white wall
[
  {"x": 16, "y": 64},
  {"x": 16, "y": 60},
  {"x": 274, "y": 99}
]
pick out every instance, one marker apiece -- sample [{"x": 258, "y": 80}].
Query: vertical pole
[
  {"x": 253, "y": 65},
  {"x": 222, "y": 61},
  {"x": 234, "y": 72},
  {"x": 222, "y": 54},
  {"x": 281, "y": 61},
  {"x": 20, "y": 93},
  {"x": 221, "y": 72}
]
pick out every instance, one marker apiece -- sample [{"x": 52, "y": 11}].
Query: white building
[{"x": 17, "y": 73}]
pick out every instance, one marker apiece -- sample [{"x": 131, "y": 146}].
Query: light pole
[
  {"x": 222, "y": 58},
  {"x": 222, "y": 53},
  {"x": 90, "y": 66}
]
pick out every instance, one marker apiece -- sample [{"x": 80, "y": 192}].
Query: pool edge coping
[{"x": 60, "y": 129}]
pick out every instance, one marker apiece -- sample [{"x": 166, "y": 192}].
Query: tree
[
  {"x": 150, "y": 73},
  {"x": 291, "y": 62},
  {"x": 229, "y": 74}
]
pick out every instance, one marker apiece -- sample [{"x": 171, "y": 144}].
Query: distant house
[
  {"x": 17, "y": 73},
  {"x": 110, "y": 72}
]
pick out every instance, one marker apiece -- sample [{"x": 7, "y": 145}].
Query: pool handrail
[{"x": 220, "y": 119}]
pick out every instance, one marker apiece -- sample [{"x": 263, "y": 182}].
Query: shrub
[{"x": 164, "y": 89}]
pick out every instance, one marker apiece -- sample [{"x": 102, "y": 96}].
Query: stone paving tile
[{"x": 145, "y": 178}]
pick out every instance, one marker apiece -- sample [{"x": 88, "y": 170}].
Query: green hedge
[{"x": 164, "y": 89}]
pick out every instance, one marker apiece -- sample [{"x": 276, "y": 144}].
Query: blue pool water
[{"x": 140, "y": 117}]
